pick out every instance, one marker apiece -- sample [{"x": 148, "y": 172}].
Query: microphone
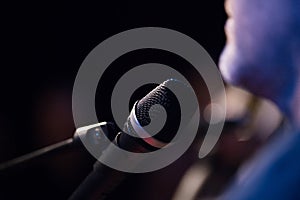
[
  {"x": 141, "y": 134},
  {"x": 158, "y": 107},
  {"x": 137, "y": 137}
]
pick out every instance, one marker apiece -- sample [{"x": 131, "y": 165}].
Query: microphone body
[
  {"x": 137, "y": 137},
  {"x": 154, "y": 120}
]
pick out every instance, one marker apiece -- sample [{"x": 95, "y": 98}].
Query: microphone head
[{"x": 157, "y": 116}]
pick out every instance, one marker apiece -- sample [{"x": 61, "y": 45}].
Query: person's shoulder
[{"x": 274, "y": 173}]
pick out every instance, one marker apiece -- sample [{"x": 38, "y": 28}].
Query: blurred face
[{"x": 260, "y": 47}]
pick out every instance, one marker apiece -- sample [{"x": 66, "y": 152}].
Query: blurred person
[{"x": 262, "y": 54}]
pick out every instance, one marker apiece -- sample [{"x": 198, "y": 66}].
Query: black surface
[{"x": 42, "y": 47}]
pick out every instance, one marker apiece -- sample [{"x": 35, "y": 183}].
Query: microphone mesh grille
[{"x": 160, "y": 95}]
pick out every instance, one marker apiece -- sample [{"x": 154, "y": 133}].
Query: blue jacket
[{"x": 273, "y": 174}]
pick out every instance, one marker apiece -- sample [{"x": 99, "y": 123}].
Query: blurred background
[{"x": 43, "y": 46}]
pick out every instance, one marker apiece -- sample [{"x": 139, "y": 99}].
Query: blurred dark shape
[{"x": 241, "y": 138}]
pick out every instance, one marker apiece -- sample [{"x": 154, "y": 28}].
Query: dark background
[{"x": 42, "y": 47}]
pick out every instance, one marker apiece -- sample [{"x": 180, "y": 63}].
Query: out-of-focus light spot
[
  {"x": 213, "y": 117},
  {"x": 191, "y": 182},
  {"x": 237, "y": 102},
  {"x": 267, "y": 119}
]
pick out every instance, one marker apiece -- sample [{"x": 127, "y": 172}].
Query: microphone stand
[
  {"x": 106, "y": 128},
  {"x": 46, "y": 151},
  {"x": 101, "y": 181}
]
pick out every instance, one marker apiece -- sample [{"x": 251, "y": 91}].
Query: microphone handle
[
  {"x": 103, "y": 179},
  {"x": 99, "y": 183}
]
